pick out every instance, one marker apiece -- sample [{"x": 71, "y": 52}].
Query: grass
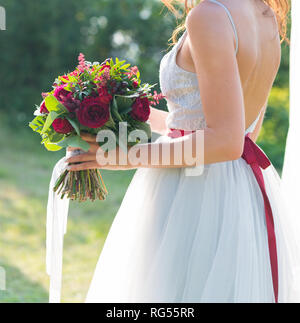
[{"x": 25, "y": 171}]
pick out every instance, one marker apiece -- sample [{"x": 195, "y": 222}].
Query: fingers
[
  {"x": 95, "y": 165},
  {"x": 83, "y": 166},
  {"x": 94, "y": 147},
  {"x": 72, "y": 148},
  {"x": 88, "y": 157},
  {"x": 88, "y": 137}
]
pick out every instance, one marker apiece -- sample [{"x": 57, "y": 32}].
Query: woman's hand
[
  {"x": 97, "y": 158},
  {"x": 157, "y": 120}
]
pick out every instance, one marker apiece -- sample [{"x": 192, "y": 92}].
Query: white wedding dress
[{"x": 179, "y": 238}]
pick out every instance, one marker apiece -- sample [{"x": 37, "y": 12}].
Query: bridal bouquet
[{"x": 92, "y": 98}]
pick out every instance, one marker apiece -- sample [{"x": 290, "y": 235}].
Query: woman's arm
[
  {"x": 157, "y": 121},
  {"x": 212, "y": 46}
]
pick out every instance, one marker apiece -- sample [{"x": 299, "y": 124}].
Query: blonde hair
[{"x": 280, "y": 7}]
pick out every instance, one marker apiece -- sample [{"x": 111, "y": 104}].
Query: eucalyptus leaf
[
  {"x": 74, "y": 141},
  {"x": 55, "y": 137},
  {"x": 74, "y": 124},
  {"x": 114, "y": 110},
  {"x": 124, "y": 104},
  {"x": 125, "y": 110}
]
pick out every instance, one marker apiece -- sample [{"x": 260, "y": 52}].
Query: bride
[{"x": 222, "y": 235}]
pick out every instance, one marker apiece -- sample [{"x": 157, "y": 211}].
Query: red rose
[
  {"x": 135, "y": 84},
  {"x": 43, "y": 108},
  {"x": 62, "y": 126},
  {"x": 61, "y": 94},
  {"x": 141, "y": 109},
  {"x": 93, "y": 113},
  {"x": 104, "y": 96}
]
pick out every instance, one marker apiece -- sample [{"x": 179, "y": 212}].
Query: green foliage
[
  {"x": 43, "y": 40},
  {"x": 275, "y": 127},
  {"x": 74, "y": 141},
  {"x": 75, "y": 124},
  {"x": 37, "y": 124},
  {"x": 51, "y": 146},
  {"x": 115, "y": 111},
  {"x": 145, "y": 127},
  {"x": 124, "y": 104},
  {"x": 42, "y": 123}
]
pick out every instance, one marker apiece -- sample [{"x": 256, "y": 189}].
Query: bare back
[{"x": 259, "y": 52}]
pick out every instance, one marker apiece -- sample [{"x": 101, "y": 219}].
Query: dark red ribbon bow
[{"x": 257, "y": 159}]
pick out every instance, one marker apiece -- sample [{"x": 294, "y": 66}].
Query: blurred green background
[{"x": 43, "y": 40}]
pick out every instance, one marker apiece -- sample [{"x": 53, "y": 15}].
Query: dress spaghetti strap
[{"x": 232, "y": 22}]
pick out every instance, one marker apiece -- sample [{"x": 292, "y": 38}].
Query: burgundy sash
[{"x": 256, "y": 159}]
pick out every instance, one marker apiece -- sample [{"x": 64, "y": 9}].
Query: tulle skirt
[{"x": 179, "y": 238}]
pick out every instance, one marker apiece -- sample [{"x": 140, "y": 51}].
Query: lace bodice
[
  {"x": 180, "y": 87},
  {"x": 182, "y": 93}
]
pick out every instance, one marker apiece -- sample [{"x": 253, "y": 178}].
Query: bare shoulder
[
  {"x": 205, "y": 12},
  {"x": 208, "y": 25}
]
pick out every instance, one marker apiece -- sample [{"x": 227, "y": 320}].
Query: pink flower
[
  {"x": 133, "y": 71},
  {"x": 74, "y": 73},
  {"x": 104, "y": 76},
  {"x": 82, "y": 66},
  {"x": 157, "y": 97}
]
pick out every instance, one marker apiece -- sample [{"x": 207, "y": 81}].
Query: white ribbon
[{"x": 57, "y": 214}]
